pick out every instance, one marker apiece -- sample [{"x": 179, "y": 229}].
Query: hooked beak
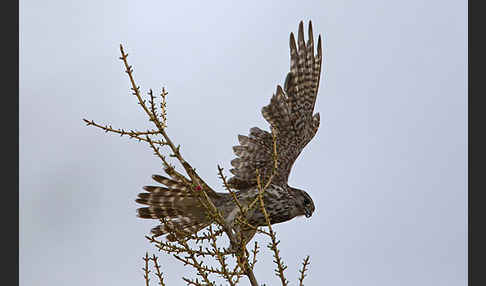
[{"x": 308, "y": 212}]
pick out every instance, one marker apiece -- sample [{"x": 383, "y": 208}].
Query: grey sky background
[{"x": 386, "y": 170}]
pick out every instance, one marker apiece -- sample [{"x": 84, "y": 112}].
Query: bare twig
[
  {"x": 305, "y": 264},
  {"x": 132, "y": 134},
  {"x": 274, "y": 242},
  {"x": 146, "y": 269},
  {"x": 157, "y": 269}
]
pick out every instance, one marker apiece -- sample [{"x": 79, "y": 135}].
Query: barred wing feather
[{"x": 290, "y": 115}]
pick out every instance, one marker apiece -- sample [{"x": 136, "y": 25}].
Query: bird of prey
[{"x": 293, "y": 124}]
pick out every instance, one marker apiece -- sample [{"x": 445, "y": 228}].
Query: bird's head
[{"x": 304, "y": 203}]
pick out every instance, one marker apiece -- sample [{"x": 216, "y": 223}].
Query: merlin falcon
[{"x": 292, "y": 123}]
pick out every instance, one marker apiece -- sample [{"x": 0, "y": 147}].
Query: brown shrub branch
[{"x": 233, "y": 263}]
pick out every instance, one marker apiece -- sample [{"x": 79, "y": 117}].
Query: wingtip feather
[
  {"x": 311, "y": 34},
  {"x": 300, "y": 37},
  {"x": 293, "y": 45}
]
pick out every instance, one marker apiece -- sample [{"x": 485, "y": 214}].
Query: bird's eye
[{"x": 306, "y": 201}]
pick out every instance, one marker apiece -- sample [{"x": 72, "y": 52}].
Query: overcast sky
[{"x": 386, "y": 170}]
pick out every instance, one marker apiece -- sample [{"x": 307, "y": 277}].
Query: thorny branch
[{"x": 207, "y": 243}]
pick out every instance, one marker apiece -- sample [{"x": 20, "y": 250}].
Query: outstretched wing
[{"x": 290, "y": 114}]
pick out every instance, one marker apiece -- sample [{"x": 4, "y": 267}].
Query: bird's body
[
  {"x": 293, "y": 125},
  {"x": 281, "y": 205},
  {"x": 183, "y": 209}
]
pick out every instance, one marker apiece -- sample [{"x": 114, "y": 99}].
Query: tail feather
[
  {"x": 175, "y": 204},
  {"x": 184, "y": 231},
  {"x": 171, "y": 184},
  {"x": 158, "y": 212}
]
